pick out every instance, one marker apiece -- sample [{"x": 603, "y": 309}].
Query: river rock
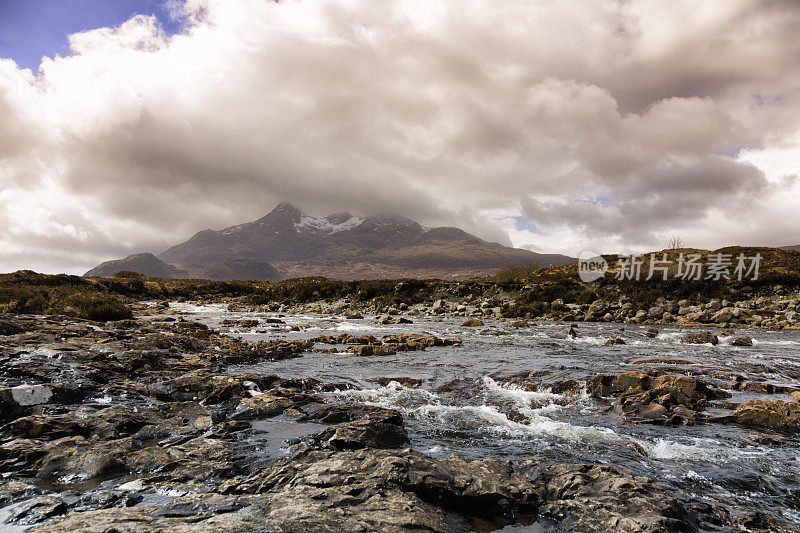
[
  {"x": 387, "y": 490},
  {"x": 655, "y": 398},
  {"x": 419, "y": 342},
  {"x": 769, "y": 414},
  {"x": 651, "y": 333},
  {"x": 594, "y": 498},
  {"x": 701, "y": 338},
  {"x": 192, "y": 513},
  {"x": 742, "y": 341},
  {"x": 372, "y": 350},
  {"x": 363, "y": 434},
  {"x": 243, "y": 323}
]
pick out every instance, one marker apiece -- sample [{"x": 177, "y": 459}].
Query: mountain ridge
[{"x": 287, "y": 243}]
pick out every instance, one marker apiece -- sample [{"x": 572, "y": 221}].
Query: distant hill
[
  {"x": 794, "y": 247},
  {"x": 145, "y": 263},
  {"x": 287, "y": 243}
]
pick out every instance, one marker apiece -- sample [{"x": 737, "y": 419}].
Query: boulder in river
[
  {"x": 701, "y": 338},
  {"x": 364, "y": 434},
  {"x": 769, "y": 414},
  {"x": 655, "y": 398},
  {"x": 372, "y": 350},
  {"x": 650, "y": 332}
]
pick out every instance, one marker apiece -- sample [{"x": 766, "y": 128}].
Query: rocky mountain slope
[
  {"x": 145, "y": 263},
  {"x": 287, "y": 243}
]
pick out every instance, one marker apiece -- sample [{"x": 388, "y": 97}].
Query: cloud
[{"x": 463, "y": 114}]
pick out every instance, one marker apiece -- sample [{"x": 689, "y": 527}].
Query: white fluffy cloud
[{"x": 607, "y": 125}]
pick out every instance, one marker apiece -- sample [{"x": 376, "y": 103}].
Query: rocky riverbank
[
  {"x": 778, "y": 310},
  {"x": 145, "y": 424}
]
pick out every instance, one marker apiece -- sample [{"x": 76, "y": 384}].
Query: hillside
[
  {"x": 287, "y": 243},
  {"x": 145, "y": 263}
]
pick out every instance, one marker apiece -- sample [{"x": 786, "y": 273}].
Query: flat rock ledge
[{"x": 404, "y": 490}]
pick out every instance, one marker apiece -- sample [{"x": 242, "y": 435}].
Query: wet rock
[
  {"x": 163, "y": 341},
  {"x": 404, "y": 381},
  {"x": 76, "y": 459},
  {"x": 701, "y": 338},
  {"x": 354, "y": 316},
  {"x": 193, "y": 513},
  {"x": 37, "y": 510},
  {"x": 11, "y": 327},
  {"x": 25, "y": 395},
  {"x": 163, "y": 319},
  {"x": 112, "y": 422},
  {"x": 346, "y": 338},
  {"x": 12, "y": 490},
  {"x": 472, "y": 323},
  {"x": 518, "y": 324},
  {"x": 245, "y": 323},
  {"x": 387, "y": 490},
  {"x": 762, "y": 388},
  {"x": 584, "y": 497},
  {"x": 183, "y": 459},
  {"x": 20, "y": 400},
  {"x": 272, "y": 403},
  {"x": 758, "y": 521},
  {"x": 336, "y": 414},
  {"x": 651, "y": 333},
  {"x": 194, "y": 329},
  {"x": 572, "y": 331},
  {"x": 419, "y": 342},
  {"x": 742, "y": 341},
  {"x": 654, "y": 398},
  {"x": 614, "y": 341},
  {"x": 386, "y": 319},
  {"x": 662, "y": 362},
  {"x": 372, "y": 350},
  {"x": 210, "y": 389},
  {"x": 238, "y": 352},
  {"x": 363, "y": 434},
  {"x": 769, "y": 414}
]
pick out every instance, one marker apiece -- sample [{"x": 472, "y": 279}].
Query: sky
[{"x": 128, "y": 126}]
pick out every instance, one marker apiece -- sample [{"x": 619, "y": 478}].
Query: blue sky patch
[
  {"x": 523, "y": 224},
  {"x": 30, "y": 29}
]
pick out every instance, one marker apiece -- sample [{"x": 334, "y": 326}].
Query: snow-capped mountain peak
[{"x": 327, "y": 225}]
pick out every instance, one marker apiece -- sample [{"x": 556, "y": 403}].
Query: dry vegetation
[{"x": 535, "y": 288}]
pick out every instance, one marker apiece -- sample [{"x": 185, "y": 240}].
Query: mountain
[
  {"x": 288, "y": 243},
  {"x": 793, "y": 247},
  {"x": 145, "y": 263}
]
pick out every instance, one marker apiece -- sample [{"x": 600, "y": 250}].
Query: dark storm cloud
[{"x": 449, "y": 113}]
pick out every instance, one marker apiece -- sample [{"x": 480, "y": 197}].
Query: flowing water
[{"x": 467, "y": 402}]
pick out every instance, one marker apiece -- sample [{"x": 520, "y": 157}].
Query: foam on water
[
  {"x": 699, "y": 449},
  {"x": 392, "y": 396},
  {"x": 428, "y": 407},
  {"x": 594, "y": 341},
  {"x": 523, "y": 397},
  {"x": 191, "y": 307}
]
